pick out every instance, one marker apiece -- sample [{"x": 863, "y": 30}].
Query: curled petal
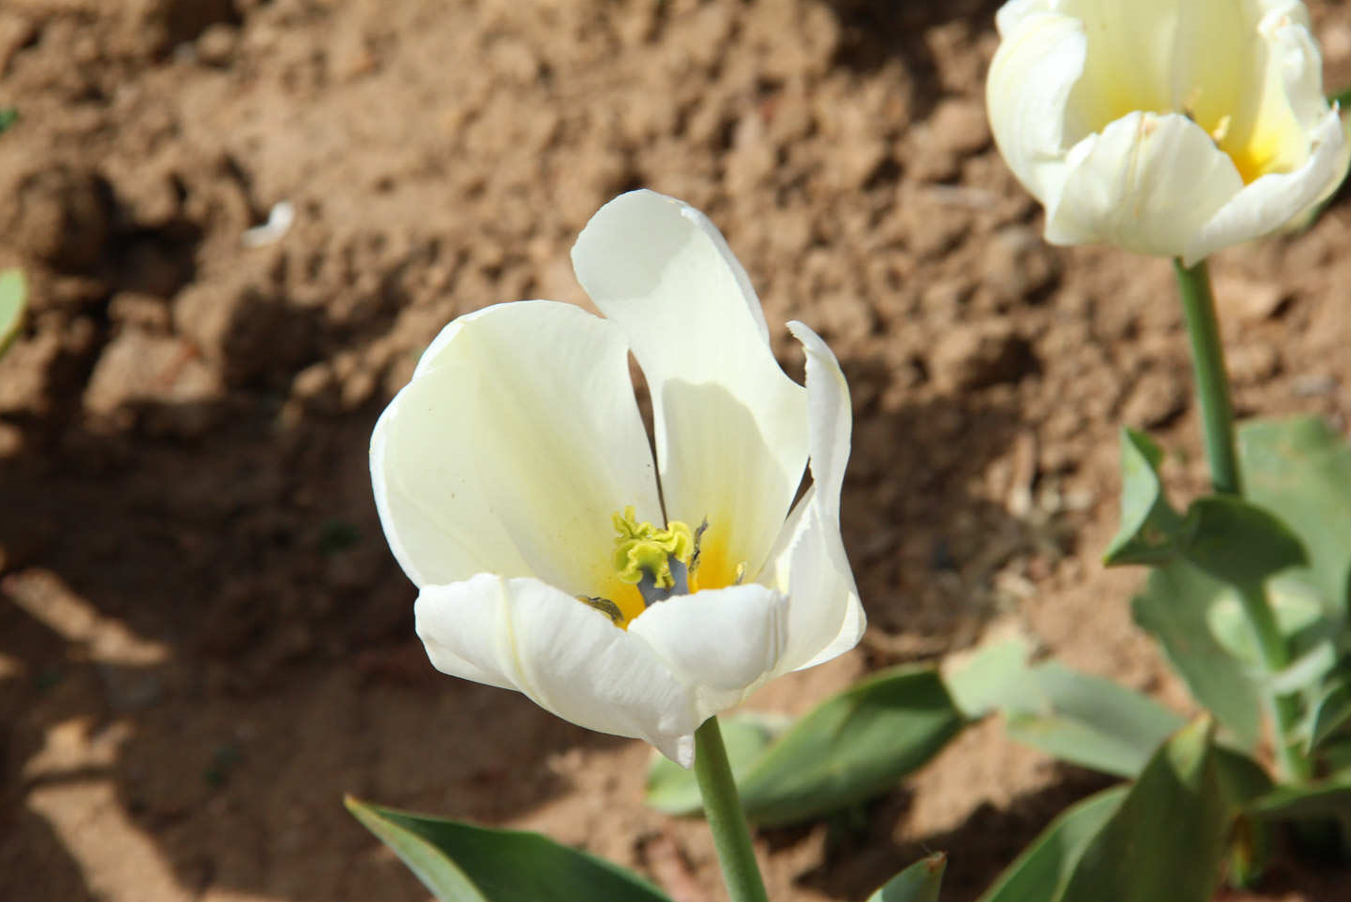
[
  {"x": 511, "y": 448},
  {"x": 809, "y": 564},
  {"x": 566, "y": 657},
  {"x": 731, "y": 432},
  {"x": 722, "y": 642}
]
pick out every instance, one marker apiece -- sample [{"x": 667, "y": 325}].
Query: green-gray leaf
[
  {"x": 463, "y": 863},
  {"x": 1149, "y": 525},
  {"x": 1238, "y": 542},
  {"x": 1174, "y": 607},
  {"x": 1331, "y": 713},
  {"x": 1079, "y": 718},
  {"x": 918, "y": 883},
  {"x": 1040, "y": 872},
  {"x": 1300, "y": 470},
  {"x": 13, "y": 299},
  {"x": 1167, "y": 840}
]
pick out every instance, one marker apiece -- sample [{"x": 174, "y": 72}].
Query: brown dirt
[{"x": 203, "y": 639}]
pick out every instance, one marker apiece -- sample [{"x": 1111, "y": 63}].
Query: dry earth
[{"x": 203, "y": 639}]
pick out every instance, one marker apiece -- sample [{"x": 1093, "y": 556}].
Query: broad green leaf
[
  {"x": 852, "y": 746},
  {"x": 13, "y": 298},
  {"x": 1093, "y": 722},
  {"x": 1238, "y": 542},
  {"x": 1149, "y": 525},
  {"x": 1298, "y": 611},
  {"x": 1040, "y": 872},
  {"x": 1174, "y": 607},
  {"x": 674, "y": 790},
  {"x": 463, "y": 863},
  {"x": 1167, "y": 840},
  {"x": 1300, "y": 470},
  {"x": 1079, "y": 718},
  {"x": 994, "y": 677},
  {"x": 918, "y": 883}
]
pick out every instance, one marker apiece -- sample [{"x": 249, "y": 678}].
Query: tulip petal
[
  {"x": 566, "y": 657},
  {"x": 809, "y": 564},
  {"x": 511, "y": 448},
  {"x": 731, "y": 431},
  {"x": 1147, "y": 183},
  {"x": 1274, "y": 200},
  {"x": 1031, "y": 78},
  {"x": 723, "y": 642}
]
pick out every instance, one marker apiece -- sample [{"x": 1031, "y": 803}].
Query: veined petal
[
  {"x": 1147, "y": 183},
  {"x": 1031, "y": 77},
  {"x": 731, "y": 430},
  {"x": 566, "y": 657},
  {"x": 723, "y": 642},
  {"x": 809, "y": 564},
  {"x": 1273, "y": 200},
  {"x": 511, "y": 448}
]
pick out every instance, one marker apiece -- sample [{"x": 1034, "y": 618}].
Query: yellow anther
[{"x": 642, "y": 548}]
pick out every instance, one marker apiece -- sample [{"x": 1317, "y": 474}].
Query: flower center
[{"x": 651, "y": 565}]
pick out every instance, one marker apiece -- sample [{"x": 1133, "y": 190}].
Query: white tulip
[
  {"x": 516, "y": 486},
  {"x": 1167, "y": 127}
]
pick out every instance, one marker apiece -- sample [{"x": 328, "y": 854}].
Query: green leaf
[
  {"x": 1331, "y": 712},
  {"x": 9, "y": 116},
  {"x": 1174, "y": 607},
  {"x": 918, "y": 883},
  {"x": 1167, "y": 840},
  {"x": 995, "y": 677},
  {"x": 1093, "y": 722},
  {"x": 1238, "y": 542},
  {"x": 1149, "y": 525},
  {"x": 1250, "y": 841},
  {"x": 1330, "y": 799},
  {"x": 1040, "y": 872},
  {"x": 1300, "y": 470},
  {"x": 851, "y": 747},
  {"x": 463, "y": 863},
  {"x": 13, "y": 299},
  {"x": 673, "y": 789},
  {"x": 1076, "y": 717}
]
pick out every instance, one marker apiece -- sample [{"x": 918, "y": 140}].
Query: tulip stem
[
  {"x": 726, "y": 820},
  {"x": 1217, "y": 418}
]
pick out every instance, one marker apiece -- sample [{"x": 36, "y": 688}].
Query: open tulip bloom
[
  {"x": 1167, "y": 127},
  {"x": 517, "y": 488}
]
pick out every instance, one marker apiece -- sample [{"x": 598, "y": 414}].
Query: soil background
[{"x": 204, "y": 641}]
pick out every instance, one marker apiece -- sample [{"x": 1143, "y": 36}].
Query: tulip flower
[
  {"x": 518, "y": 490},
  {"x": 1167, "y": 127}
]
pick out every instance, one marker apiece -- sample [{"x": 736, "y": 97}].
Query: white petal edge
[
  {"x": 566, "y": 657},
  {"x": 1272, "y": 201},
  {"x": 510, "y": 449},
  {"x": 723, "y": 642},
  {"x": 826, "y": 617},
  {"x": 1032, "y": 75},
  {"x": 1147, "y": 183},
  {"x": 731, "y": 427}
]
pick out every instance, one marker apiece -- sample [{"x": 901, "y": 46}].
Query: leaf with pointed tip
[
  {"x": 1038, "y": 874},
  {"x": 918, "y": 883},
  {"x": 1238, "y": 542},
  {"x": 1134, "y": 858},
  {"x": 1149, "y": 525},
  {"x": 463, "y": 863},
  {"x": 1331, "y": 713}
]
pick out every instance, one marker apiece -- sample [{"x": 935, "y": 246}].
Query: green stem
[
  {"x": 727, "y": 822},
  {"x": 1212, "y": 382},
  {"x": 1217, "y": 418}
]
